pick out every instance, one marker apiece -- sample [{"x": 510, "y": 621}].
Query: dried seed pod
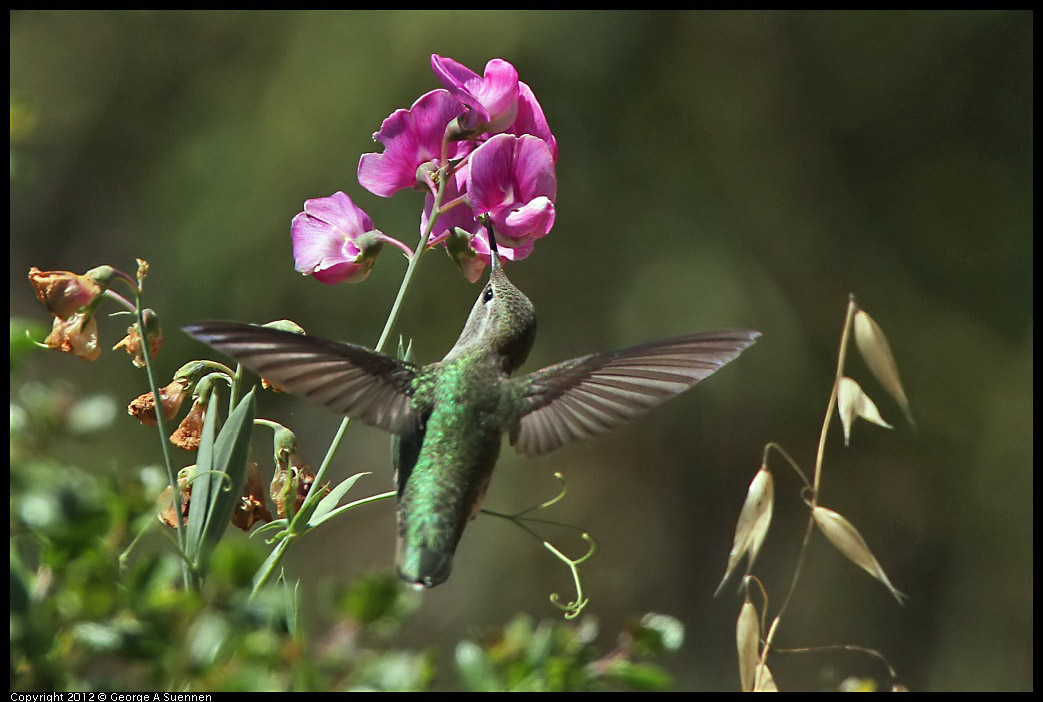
[
  {"x": 872, "y": 344},
  {"x": 765, "y": 680},
  {"x": 754, "y": 520},
  {"x": 852, "y": 402},
  {"x": 747, "y": 641},
  {"x": 842, "y": 534}
]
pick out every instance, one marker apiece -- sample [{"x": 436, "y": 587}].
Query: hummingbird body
[
  {"x": 449, "y": 417},
  {"x": 471, "y": 405},
  {"x": 442, "y": 487}
]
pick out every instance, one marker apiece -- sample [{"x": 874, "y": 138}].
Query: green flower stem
[
  {"x": 193, "y": 369},
  {"x": 119, "y": 299},
  {"x": 266, "y": 571},
  {"x": 396, "y": 307},
  {"x": 315, "y": 492},
  {"x": 274, "y": 426},
  {"x": 453, "y": 203},
  {"x": 397, "y": 244},
  {"x": 146, "y": 352},
  {"x": 237, "y": 384},
  {"x": 124, "y": 557},
  {"x": 132, "y": 282}
]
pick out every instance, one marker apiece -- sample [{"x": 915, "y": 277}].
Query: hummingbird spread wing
[
  {"x": 353, "y": 380},
  {"x": 592, "y": 394}
]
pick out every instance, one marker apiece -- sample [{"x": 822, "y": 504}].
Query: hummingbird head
[{"x": 502, "y": 321}]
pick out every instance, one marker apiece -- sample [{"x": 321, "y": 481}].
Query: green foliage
[
  {"x": 212, "y": 500},
  {"x": 556, "y": 656},
  {"x": 85, "y": 615}
]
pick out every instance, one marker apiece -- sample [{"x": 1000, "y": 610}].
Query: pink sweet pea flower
[
  {"x": 335, "y": 241},
  {"x": 530, "y": 119},
  {"x": 480, "y": 244},
  {"x": 512, "y": 180},
  {"x": 492, "y": 98},
  {"x": 465, "y": 239},
  {"x": 411, "y": 138}
]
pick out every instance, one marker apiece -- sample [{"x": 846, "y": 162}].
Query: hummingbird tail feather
[{"x": 420, "y": 565}]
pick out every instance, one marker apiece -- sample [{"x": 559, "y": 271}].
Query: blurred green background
[{"x": 716, "y": 169}]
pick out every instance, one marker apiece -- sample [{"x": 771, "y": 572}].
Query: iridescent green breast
[{"x": 461, "y": 442}]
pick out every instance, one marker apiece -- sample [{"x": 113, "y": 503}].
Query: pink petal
[
  {"x": 492, "y": 98},
  {"x": 489, "y": 185},
  {"x": 516, "y": 253},
  {"x": 317, "y": 245},
  {"x": 410, "y": 138},
  {"x": 341, "y": 272},
  {"x": 531, "y": 120},
  {"x": 454, "y": 75},
  {"x": 533, "y": 169},
  {"x": 498, "y": 93},
  {"x": 534, "y": 220},
  {"x": 339, "y": 211},
  {"x": 480, "y": 243},
  {"x": 460, "y": 80}
]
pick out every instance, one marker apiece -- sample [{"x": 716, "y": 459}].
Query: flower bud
[
  {"x": 142, "y": 270},
  {"x": 293, "y": 477},
  {"x": 286, "y": 325},
  {"x": 458, "y": 246},
  {"x": 165, "y": 503},
  {"x": 425, "y": 176}
]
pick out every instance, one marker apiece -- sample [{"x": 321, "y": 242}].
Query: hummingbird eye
[{"x": 488, "y": 294}]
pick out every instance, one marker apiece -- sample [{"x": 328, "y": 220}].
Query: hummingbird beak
[{"x": 493, "y": 253}]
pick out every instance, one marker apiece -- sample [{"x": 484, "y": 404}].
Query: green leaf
[
  {"x": 264, "y": 572},
  {"x": 226, "y": 456},
  {"x": 641, "y": 676},
  {"x": 199, "y": 508},
  {"x": 329, "y": 503},
  {"x": 656, "y": 634},
  {"x": 20, "y": 584},
  {"x": 476, "y": 670},
  {"x": 292, "y": 603},
  {"x": 370, "y": 597},
  {"x": 351, "y": 505},
  {"x": 270, "y": 526}
]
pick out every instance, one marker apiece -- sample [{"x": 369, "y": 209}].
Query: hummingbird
[{"x": 449, "y": 417}]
